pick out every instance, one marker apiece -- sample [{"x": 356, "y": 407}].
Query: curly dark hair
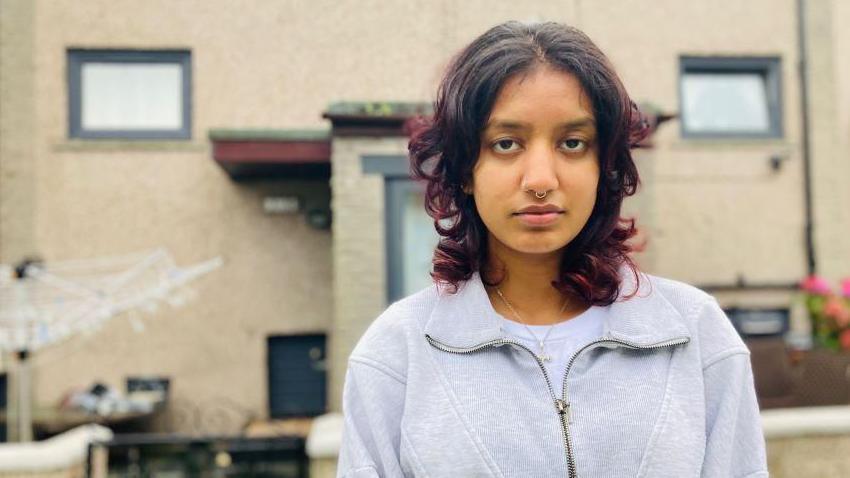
[{"x": 444, "y": 149}]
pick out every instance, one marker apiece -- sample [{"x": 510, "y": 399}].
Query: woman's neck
[{"x": 527, "y": 285}]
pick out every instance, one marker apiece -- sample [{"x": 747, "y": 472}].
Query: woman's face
[{"x": 540, "y": 137}]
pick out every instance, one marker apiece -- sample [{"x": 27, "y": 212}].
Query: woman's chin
[{"x": 539, "y": 247}]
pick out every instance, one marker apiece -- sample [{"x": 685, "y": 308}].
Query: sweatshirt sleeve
[
  {"x": 373, "y": 402},
  {"x": 735, "y": 445}
]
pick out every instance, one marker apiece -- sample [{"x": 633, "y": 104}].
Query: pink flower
[
  {"x": 833, "y": 307},
  {"x": 845, "y": 287},
  {"x": 844, "y": 339},
  {"x": 836, "y": 309},
  {"x": 815, "y": 284}
]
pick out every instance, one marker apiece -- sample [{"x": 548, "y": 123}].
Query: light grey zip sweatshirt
[{"x": 434, "y": 388}]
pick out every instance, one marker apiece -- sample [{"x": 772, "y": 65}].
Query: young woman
[{"x": 541, "y": 351}]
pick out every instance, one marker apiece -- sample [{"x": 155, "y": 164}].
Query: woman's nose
[{"x": 539, "y": 173}]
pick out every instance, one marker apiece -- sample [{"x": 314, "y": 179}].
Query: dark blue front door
[{"x": 297, "y": 377}]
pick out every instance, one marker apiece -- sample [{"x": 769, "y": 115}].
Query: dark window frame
[
  {"x": 768, "y": 67},
  {"x": 78, "y": 57}
]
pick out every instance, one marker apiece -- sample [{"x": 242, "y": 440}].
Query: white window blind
[
  {"x": 725, "y": 102},
  {"x": 131, "y": 96}
]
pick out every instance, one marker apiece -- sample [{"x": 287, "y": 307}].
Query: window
[
  {"x": 129, "y": 94},
  {"x": 730, "y": 97},
  {"x": 759, "y": 322}
]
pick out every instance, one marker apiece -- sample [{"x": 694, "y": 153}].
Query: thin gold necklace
[{"x": 542, "y": 342}]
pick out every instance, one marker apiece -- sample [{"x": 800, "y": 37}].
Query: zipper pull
[{"x": 563, "y": 408}]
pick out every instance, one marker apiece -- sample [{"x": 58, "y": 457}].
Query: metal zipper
[
  {"x": 571, "y": 465},
  {"x": 562, "y": 406}
]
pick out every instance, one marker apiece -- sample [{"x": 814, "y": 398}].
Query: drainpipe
[{"x": 802, "y": 67}]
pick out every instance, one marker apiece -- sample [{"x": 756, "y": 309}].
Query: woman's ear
[{"x": 467, "y": 188}]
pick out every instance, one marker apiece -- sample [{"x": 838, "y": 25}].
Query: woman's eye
[
  {"x": 505, "y": 146},
  {"x": 574, "y": 145}
]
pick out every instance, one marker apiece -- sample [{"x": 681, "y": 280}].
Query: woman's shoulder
[
  {"x": 701, "y": 313},
  {"x": 681, "y": 295},
  {"x": 390, "y": 333}
]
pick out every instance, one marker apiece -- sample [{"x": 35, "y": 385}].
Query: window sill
[{"x": 121, "y": 145}]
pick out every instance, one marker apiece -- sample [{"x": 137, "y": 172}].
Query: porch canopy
[
  {"x": 306, "y": 153},
  {"x": 265, "y": 153}
]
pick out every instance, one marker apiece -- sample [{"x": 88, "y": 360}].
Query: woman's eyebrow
[
  {"x": 506, "y": 124},
  {"x": 578, "y": 123}
]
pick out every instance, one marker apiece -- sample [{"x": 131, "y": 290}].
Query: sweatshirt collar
[{"x": 467, "y": 318}]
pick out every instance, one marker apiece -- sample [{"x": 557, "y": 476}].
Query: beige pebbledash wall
[
  {"x": 829, "y": 77},
  {"x": 840, "y": 15},
  {"x": 17, "y": 120}
]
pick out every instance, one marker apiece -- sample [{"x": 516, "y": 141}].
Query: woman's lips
[{"x": 538, "y": 219}]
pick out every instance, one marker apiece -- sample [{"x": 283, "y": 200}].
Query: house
[{"x": 271, "y": 133}]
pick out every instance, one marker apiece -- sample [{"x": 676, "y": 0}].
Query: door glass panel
[
  {"x": 411, "y": 238},
  {"x": 419, "y": 242}
]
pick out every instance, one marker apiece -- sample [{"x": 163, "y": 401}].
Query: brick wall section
[{"x": 359, "y": 258}]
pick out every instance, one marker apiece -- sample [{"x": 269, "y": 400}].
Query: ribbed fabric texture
[{"x": 434, "y": 388}]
